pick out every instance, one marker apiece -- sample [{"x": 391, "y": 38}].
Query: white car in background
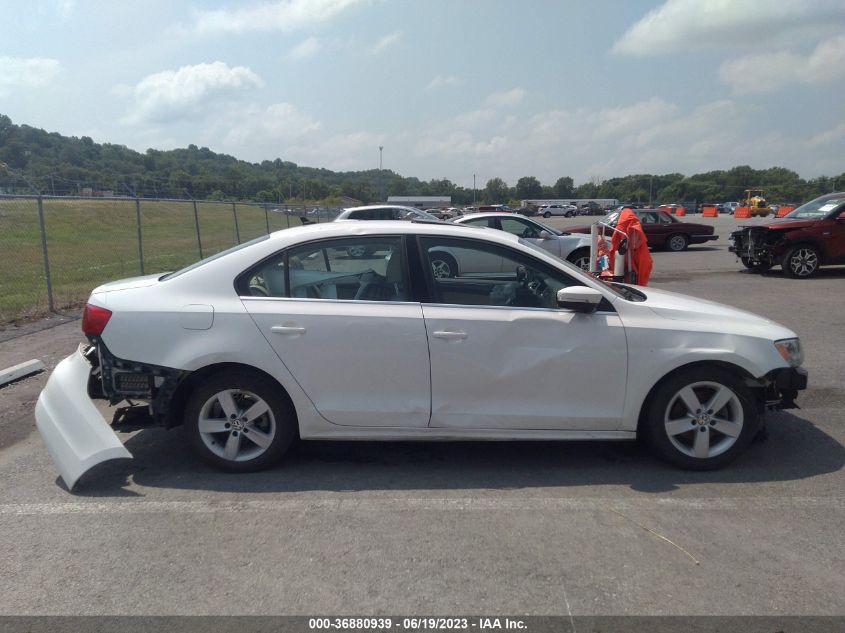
[
  {"x": 573, "y": 247},
  {"x": 287, "y": 336},
  {"x": 566, "y": 210}
]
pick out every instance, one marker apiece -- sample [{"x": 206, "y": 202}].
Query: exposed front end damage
[
  {"x": 757, "y": 246},
  {"x": 779, "y": 388}
]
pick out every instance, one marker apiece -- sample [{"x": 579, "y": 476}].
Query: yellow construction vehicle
[{"x": 755, "y": 201}]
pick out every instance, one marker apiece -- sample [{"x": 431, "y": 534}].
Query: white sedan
[
  {"x": 573, "y": 247},
  {"x": 287, "y": 335}
]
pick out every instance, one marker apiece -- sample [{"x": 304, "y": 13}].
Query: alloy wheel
[
  {"x": 236, "y": 425},
  {"x": 441, "y": 269},
  {"x": 703, "y": 419},
  {"x": 804, "y": 262}
]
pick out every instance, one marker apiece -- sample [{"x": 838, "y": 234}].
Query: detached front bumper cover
[{"x": 75, "y": 433}]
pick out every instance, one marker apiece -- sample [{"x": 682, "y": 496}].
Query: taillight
[{"x": 94, "y": 320}]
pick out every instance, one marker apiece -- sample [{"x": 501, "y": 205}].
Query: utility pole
[
  {"x": 650, "y": 185},
  {"x": 473, "y": 190},
  {"x": 380, "y": 175}
]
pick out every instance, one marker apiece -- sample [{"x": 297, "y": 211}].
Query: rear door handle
[
  {"x": 288, "y": 329},
  {"x": 449, "y": 335}
]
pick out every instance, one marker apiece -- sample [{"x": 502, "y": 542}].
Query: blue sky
[{"x": 450, "y": 88}]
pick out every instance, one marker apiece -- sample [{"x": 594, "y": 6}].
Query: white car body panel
[
  {"x": 550, "y": 352},
  {"x": 88, "y": 440},
  {"x": 157, "y": 322}
]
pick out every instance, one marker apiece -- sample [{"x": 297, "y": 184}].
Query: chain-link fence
[{"x": 54, "y": 250}]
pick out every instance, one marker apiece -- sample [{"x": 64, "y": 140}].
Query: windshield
[
  {"x": 610, "y": 218},
  {"x": 550, "y": 229},
  {"x": 818, "y": 208}
]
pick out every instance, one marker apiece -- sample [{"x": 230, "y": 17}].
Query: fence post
[
  {"x": 287, "y": 215},
  {"x": 50, "y": 304},
  {"x": 197, "y": 224},
  {"x": 140, "y": 242},
  {"x": 267, "y": 219},
  {"x": 237, "y": 228}
]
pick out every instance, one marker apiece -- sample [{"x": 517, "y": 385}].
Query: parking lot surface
[{"x": 594, "y": 528}]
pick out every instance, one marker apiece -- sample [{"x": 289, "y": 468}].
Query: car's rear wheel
[
  {"x": 801, "y": 262},
  {"x": 677, "y": 242},
  {"x": 701, "y": 418},
  {"x": 443, "y": 266},
  {"x": 580, "y": 258},
  {"x": 239, "y": 422}
]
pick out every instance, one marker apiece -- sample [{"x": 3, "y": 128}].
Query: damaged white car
[{"x": 289, "y": 335}]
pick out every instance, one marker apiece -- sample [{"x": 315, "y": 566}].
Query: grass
[{"x": 93, "y": 241}]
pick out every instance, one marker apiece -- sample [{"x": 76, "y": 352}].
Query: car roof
[
  {"x": 381, "y": 206},
  {"x": 490, "y": 214},
  {"x": 380, "y": 227}
]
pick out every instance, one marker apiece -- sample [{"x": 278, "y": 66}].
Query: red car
[
  {"x": 661, "y": 229},
  {"x": 812, "y": 235}
]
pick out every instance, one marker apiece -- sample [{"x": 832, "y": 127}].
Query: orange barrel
[{"x": 680, "y": 211}]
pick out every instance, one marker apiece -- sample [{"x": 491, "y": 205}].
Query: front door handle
[
  {"x": 288, "y": 329},
  {"x": 450, "y": 335}
]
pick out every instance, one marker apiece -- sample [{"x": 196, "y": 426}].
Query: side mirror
[
  {"x": 545, "y": 235},
  {"x": 579, "y": 298}
]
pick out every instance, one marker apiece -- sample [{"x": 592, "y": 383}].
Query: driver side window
[
  {"x": 519, "y": 228},
  {"x": 466, "y": 272}
]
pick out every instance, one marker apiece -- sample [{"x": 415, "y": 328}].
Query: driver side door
[{"x": 504, "y": 356}]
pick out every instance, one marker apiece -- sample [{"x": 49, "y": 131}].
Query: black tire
[
  {"x": 569, "y": 214},
  {"x": 283, "y": 422},
  {"x": 578, "y": 256},
  {"x": 677, "y": 242},
  {"x": 443, "y": 265},
  {"x": 547, "y": 215},
  {"x": 664, "y": 405},
  {"x": 755, "y": 266},
  {"x": 801, "y": 262}
]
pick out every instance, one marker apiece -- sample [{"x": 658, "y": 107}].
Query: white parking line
[{"x": 419, "y": 503}]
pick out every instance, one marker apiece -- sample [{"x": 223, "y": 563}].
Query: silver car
[{"x": 573, "y": 247}]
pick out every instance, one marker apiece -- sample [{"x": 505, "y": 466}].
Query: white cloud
[
  {"x": 176, "y": 94},
  {"x": 679, "y": 25},
  {"x": 386, "y": 42},
  {"x": 505, "y": 99},
  {"x": 828, "y": 137},
  {"x": 769, "y": 72},
  {"x": 279, "y": 122},
  {"x": 344, "y": 152},
  {"x": 306, "y": 48},
  {"x": 440, "y": 81},
  {"x": 280, "y": 15},
  {"x": 31, "y": 72}
]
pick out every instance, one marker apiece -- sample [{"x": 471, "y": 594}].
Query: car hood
[
  {"x": 679, "y": 307},
  {"x": 581, "y": 228},
  {"x": 129, "y": 283},
  {"x": 783, "y": 225}
]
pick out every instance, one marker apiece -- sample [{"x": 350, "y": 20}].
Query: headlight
[{"x": 790, "y": 349}]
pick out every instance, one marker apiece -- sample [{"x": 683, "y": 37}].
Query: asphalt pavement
[{"x": 594, "y": 528}]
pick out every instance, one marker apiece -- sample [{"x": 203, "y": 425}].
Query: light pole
[
  {"x": 380, "y": 176},
  {"x": 473, "y": 190}
]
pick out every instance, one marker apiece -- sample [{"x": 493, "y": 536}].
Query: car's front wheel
[
  {"x": 238, "y": 421},
  {"x": 701, "y": 418},
  {"x": 547, "y": 215},
  {"x": 801, "y": 262},
  {"x": 580, "y": 258}
]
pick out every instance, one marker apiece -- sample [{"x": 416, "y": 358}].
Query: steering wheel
[{"x": 532, "y": 282}]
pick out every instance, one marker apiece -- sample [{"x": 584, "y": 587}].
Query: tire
[
  {"x": 234, "y": 447},
  {"x": 443, "y": 265},
  {"x": 801, "y": 262},
  {"x": 547, "y": 215},
  {"x": 580, "y": 257},
  {"x": 680, "y": 428},
  {"x": 356, "y": 251},
  {"x": 569, "y": 214},
  {"x": 677, "y": 242},
  {"x": 754, "y": 266}
]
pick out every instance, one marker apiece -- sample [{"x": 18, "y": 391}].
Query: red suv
[{"x": 811, "y": 236}]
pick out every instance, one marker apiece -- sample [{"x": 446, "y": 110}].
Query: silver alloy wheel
[
  {"x": 236, "y": 425},
  {"x": 677, "y": 243},
  {"x": 582, "y": 262},
  {"x": 804, "y": 262},
  {"x": 704, "y": 419},
  {"x": 355, "y": 251},
  {"x": 441, "y": 269}
]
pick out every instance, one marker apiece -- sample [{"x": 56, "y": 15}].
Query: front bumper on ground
[
  {"x": 75, "y": 433},
  {"x": 785, "y": 383}
]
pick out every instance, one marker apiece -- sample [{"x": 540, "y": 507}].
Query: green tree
[
  {"x": 495, "y": 191},
  {"x": 564, "y": 187}
]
